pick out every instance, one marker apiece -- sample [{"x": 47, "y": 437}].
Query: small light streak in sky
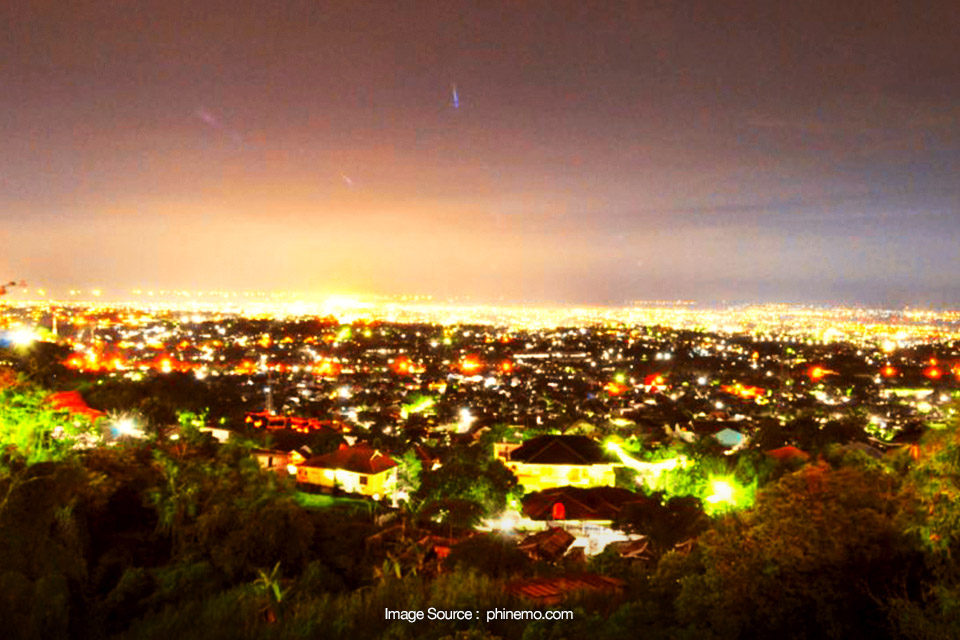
[
  {"x": 208, "y": 118},
  {"x": 455, "y": 97}
]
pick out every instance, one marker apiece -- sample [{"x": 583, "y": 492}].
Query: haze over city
[{"x": 559, "y": 152}]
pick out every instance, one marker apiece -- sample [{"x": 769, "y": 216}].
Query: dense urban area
[{"x": 276, "y": 469}]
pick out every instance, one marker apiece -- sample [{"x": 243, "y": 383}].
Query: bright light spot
[
  {"x": 702, "y": 380},
  {"x": 651, "y": 468},
  {"x": 933, "y": 372},
  {"x": 466, "y": 419},
  {"x": 22, "y": 337},
  {"x": 127, "y": 427},
  {"x": 721, "y": 491}
]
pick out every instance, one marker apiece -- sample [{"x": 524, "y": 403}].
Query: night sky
[{"x": 568, "y": 152}]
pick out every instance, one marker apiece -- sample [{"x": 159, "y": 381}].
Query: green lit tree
[
  {"x": 811, "y": 559},
  {"x": 32, "y": 429},
  {"x": 931, "y": 518}
]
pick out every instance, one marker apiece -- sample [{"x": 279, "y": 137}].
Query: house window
[
  {"x": 559, "y": 512},
  {"x": 363, "y": 480}
]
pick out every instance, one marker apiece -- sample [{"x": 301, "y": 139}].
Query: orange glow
[
  {"x": 889, "y": 371},
  {"x": 614, "y": 389},
  {"x": 654, "y": 380},
  {"x": 933, "y": 372},
  {"x": 743, "y": 391},
  {"x": 506, "y": 366},
  {"x": 245, "y": 368},
  {"x": 818, "y": 373},
  {"x": 471, "y": 365},
  {"x": 404, "y": 366},
  {"x": 301, "y": 425},
  {"x": 327, "y": 368}
]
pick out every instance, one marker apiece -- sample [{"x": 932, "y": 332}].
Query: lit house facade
[
  {"x": 559, "y": 461},
  {"x": 358, "y": 469}
]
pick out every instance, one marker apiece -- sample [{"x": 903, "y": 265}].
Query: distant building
[
  {"x": 558, "y": 461},
  {"x": 358, "y": 469}
]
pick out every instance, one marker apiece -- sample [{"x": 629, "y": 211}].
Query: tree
[
  {"x": 408, "y": 475},
  {"x": 481, "y": 480},
  {"x": 32, "y": 429},
  {"x": 454, "y": 514},
  {"x": 664, "y": 524},
  {"x": 491, "y": 555},
  {"x": 811, "y": 558},
  {"x": 930, "y": 516}
]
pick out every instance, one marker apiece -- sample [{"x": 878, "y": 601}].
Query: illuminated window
[{"x": 363, "y": 480}]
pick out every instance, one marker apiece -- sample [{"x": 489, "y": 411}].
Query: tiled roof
[
  {"x": 787, "y": 453},
  {"x": 578, "y": 450},
  {"x": 547, "y": 545},
  {"x": 359, "y": 459},
  {"x": 73, "y": 402},
  {"x": 595, "y": 503},
  {"x": 555, "y": 589}
]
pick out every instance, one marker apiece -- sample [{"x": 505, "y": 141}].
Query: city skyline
[{"x": 556, "y": 154}]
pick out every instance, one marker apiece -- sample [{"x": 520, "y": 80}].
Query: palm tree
[{"x": 270, "y": 583}]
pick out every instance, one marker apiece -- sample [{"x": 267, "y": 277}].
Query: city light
[
  {"x": 127, "y": 426},
  {"x": 22, "y": 337},
  {"x": 721, "y": 491},
  {"x": 465, "y": 421}
]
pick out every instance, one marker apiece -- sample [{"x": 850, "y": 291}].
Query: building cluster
[
  {"x": 556, "y": 391},
  {"x": 453, "y": 377}
]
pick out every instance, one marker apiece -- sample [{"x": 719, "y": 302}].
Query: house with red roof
[
  {"x": 73, "y": 402},
  {"x": 358, "y": 469}
]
